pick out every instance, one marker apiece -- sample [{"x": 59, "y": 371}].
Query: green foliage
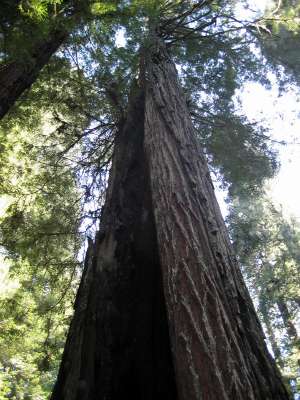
[
  {"x": 39, "y": 235},
  {"x": 32, "y": 335},
  {"x": 280, "y": 37},
  {"x": 55, "y": 151},
  {"x": 268, "y": 246},
  {"x": 23, "y": 26},
  {"x": 38, "y": 9},
  {"x": 100, "y": 8},
  {"x": 239, "y": 154}
]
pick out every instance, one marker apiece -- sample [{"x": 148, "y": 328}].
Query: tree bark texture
[
  {"x": 17, "y": 76},
  {"x": 118, "y": 343},
  {"x": 162, "y": 311},
  {"x": 217, "y": 341}
]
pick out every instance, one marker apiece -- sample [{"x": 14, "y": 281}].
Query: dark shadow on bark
[{"x": 118, "y": 345}]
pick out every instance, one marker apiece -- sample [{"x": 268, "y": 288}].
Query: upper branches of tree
[
  {"x": 278, "y": 36},
  {"x": 32, "y": 34}
]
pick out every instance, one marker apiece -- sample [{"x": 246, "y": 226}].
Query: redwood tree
[
  {"x": 218, "y": 344},
  {"x": 162, "y": 311}
]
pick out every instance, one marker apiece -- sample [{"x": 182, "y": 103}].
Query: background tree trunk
[
  {"x": 118, "y": 344},
  {"x": 287, "y": 320},
  {"x": 264, "y": 310},
  {"x": 217, "y": 342},
  {"x": 17, "y": 76}
]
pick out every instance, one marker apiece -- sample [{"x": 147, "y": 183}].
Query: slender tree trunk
[
  {"x": 217, "y": 342},
  {"x": 287, "y": 320},
  {"x": 118, "y": 344},
  {"x": 264, "y": 310},
  {"x": 17, "y": 76}
]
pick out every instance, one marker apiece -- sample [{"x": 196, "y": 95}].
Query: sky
[
  {"x": 280, "y": 112},
  {"x": 282, "y": 115}
]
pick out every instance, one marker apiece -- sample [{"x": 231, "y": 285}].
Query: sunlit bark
[{"x": 217, "y": 342}]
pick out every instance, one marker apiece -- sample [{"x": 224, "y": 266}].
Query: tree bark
[
  {"x": 17, "y": 76},
  {"x": 118, "y": 343},
  {"x": 162, "y": 311},
  {"x": 217, "y": 342}
]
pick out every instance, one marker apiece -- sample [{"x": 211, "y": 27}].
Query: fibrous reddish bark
[
  {"x": 217, "y": 342},
  {"x": 17, "y": 76},
  {"x": 163, "y": 288}
]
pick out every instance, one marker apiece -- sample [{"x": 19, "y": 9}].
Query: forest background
[{"x": 56, "y": 146}]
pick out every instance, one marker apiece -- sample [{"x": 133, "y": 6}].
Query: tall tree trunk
[
  {"x": 217, "y": 342},
  {"x": 118, "y": 343},
  {"x": 17, "y": 76},
  {"x": 162, "y": 289}
]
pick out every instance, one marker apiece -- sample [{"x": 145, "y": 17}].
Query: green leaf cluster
[
  {"x": 40, "y": 241},
  {"x": 38, "y": 9},
  {"x": 280, "y": 40}
]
